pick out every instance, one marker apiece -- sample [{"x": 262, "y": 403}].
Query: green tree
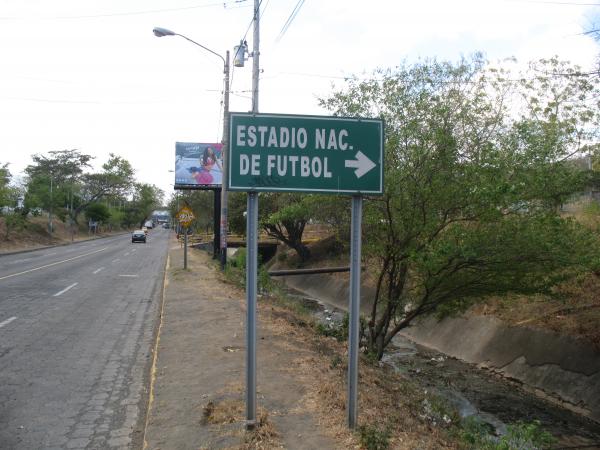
[
  {"x": 236, "y": 209},
  {"x": 97, "y": 212},
  {"x": 202, "y": 203},
  {"x": 331, "y": 210},
  {"x": 284, "y": 217},
  {"x": 13, "y": 221},
  {"x": 146, "y": 198},
  {"x": 9, "y": 198},
  {"x": 117, "y": 217},
  {"x": 115, "y": 179},
  {"x": 5, "y": 188},
  {"x": 476, "y": 161},
  {"x": 54, "y": 181}
]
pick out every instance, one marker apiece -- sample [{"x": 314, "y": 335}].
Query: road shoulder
[{"x": 198, "y": 392}]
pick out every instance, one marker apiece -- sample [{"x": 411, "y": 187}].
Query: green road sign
[{"x": 287, "y": 153}]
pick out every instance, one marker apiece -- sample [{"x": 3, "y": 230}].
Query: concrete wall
[
  {"x": 565, "y": 369},
  {"x": 330, "y": 289}
]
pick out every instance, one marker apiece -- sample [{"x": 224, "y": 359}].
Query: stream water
[{"x": 473, "y": 391}]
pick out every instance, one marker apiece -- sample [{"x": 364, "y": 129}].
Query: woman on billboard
[{"x": 208, "y": 160}]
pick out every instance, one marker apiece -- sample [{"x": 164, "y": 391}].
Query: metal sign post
[
  {"x": 251, "y": 288},
  {"x": 354, "y": 308}
]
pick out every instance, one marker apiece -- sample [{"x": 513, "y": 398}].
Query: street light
[{"x": 161, "y": 32}]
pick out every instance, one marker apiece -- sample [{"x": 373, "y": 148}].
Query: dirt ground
[{"x": 198, "y": 392}]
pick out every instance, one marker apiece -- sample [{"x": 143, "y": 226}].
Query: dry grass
[
  {"x": 226, "y": 411},
  {"x": 263, "y": 436},
  {"x": 231, "y": 411},
  {"x": 386, "y": 400},
  {"x": 573, "y": 311}
]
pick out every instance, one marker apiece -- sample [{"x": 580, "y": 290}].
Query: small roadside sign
[
  {"x": 185, "y": 216},
  {"x": 318, "y": 154}
]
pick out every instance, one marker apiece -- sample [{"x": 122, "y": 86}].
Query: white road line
[
  {"x": 52, "y": 264},
  {"x": 7, "y": 321},
  {"x": 133, "y": 250},
  {"x": 65, "y": 290},
  {"x": 130, "y": 276},
  {"x": 50, "y": 254},
  {"x": 97, "y": 270},
  {"x": 22, "y": 260},
  {"x": 116, "y": 260}
]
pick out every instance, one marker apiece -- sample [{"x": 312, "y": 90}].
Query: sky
[{"x": 90, "y": 75}]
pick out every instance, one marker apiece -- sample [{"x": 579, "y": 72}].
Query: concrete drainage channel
[{"x": 473, "y": 390}]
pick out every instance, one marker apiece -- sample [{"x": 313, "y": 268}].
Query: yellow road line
[{"x": 155, "y": 353}]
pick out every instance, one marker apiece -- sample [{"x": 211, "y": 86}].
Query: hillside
[{"x": 35, "y": 235}]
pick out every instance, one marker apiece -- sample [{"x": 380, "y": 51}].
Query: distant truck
[{"x": 149, "y": 224}]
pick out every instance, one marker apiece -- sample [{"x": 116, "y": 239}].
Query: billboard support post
[
  {"x": 185, "y": 238},
  {"x": 216, "y": 216}
]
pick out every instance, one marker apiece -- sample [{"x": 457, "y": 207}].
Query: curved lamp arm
[{"x": 160, "y": 32}]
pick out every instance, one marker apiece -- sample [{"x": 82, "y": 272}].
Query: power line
[
  {"x": 550, "y": 2},
  {"x": 94, "y": 102},
  {"x": 134, "y": 13},
  {"x": 49, "y": 100},
  {"x": 290, "y": 19},
  {"x": 316, "y": 75}
]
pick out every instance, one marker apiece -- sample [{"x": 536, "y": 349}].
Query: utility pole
[
  {"x": 252, "y": 250},
  {"x": 255, "y": 56},
  {"x": 225, "y": 166},
  {"x": 71, "y": 221},
  {"x": 50, "y": 224}
]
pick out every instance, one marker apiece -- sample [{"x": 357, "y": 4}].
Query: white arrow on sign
[{"x": 362, "y": 164}]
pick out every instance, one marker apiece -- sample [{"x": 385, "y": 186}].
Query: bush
[
  {"x": 13, "y": 221},
  {"x": 336, "y": 330},
  {"x": 526, "y": 436},
  {"x": 235, "y": 271},
  {"x": 373, "y": 438},
  {"x": 519, "y": 436}
]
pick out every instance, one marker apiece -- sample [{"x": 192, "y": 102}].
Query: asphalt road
[{"x": 76, "y": 328}]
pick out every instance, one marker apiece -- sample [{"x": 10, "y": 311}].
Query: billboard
[{"x": 198, "y": 166}]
